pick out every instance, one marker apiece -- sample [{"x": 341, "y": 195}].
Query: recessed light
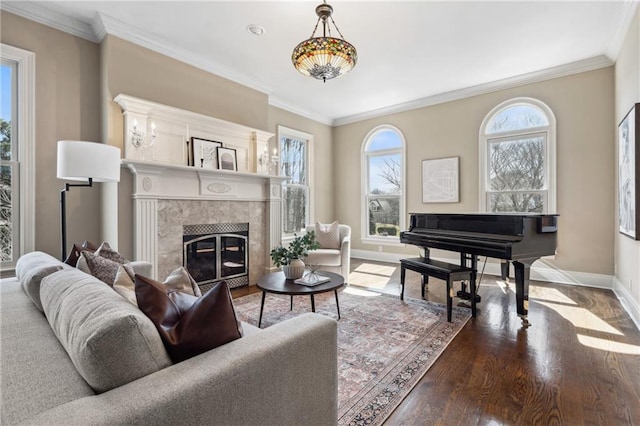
[{"x": 256, "y": 30}]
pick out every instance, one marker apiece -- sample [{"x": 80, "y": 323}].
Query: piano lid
[{"x": 484, "y": 223}]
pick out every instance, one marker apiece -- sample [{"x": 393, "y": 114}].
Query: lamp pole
[{"x": 63, "y": 212}]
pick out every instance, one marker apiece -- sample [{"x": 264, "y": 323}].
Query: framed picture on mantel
[
  {"x": 227, "y": 159},
  {"x": 628, "y": 179},
  {"x": 204, "y": 153}
]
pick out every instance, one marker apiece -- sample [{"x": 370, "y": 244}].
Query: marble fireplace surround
[{"x": 168, "y": 196}]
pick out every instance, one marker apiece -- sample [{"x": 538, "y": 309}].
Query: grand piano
[{"x": 519, "y": 238}]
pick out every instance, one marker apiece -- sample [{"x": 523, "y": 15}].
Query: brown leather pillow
[
  {"x": 74, "y": 254},
  {"x": 189, "y": 325}
]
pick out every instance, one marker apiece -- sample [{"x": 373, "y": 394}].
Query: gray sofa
[{"x": 73, "y": 364}]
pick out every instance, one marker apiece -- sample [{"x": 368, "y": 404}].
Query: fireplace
[{"x": 216, "y": 252}]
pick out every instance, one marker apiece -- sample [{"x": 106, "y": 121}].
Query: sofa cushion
[
  {"x": 328, "y": 235},
  {"x": 31, "y": 269},
  {"x": 109, "y": 341},
  {"x": 324, "y": 257},
  {"x": 179, "y": 280},
  {"x": 36, "y": 372},
  {"x": 188, "y": 325}
]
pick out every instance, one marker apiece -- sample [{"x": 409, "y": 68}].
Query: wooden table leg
[
  {"x": 313, "y": 304},
  {"x": 337, "y": 304},
  {"x": 264, "y": 293},
  {"x": 291, "y": 304}
]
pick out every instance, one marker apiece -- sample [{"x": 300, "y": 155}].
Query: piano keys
[{"x": 521, "y": 238}]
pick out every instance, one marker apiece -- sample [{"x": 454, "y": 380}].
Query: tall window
[
  {"x": 295, "y": 165},
  {"x": 383, "y": 184},
  {"x": 9, "y": 172},
  {"x": 17, "y": 162},
  {"x": 517, "y": 158}
]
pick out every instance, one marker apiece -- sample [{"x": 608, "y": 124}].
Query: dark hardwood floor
[{"x": 579, "y": 362}]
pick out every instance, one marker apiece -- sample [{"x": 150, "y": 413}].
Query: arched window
[
  {"x": 383, "y": 185},
  {"x": 517, "y": 158}
]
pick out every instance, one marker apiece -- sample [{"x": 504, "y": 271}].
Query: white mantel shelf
[{"x": 156, "y": 180}]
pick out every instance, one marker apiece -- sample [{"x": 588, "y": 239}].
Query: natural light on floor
[
  {"x": 371, "y": 276},
  {"x": 608, "y": 345},
  {"x": 360, "y": 292},
  {"x": 582, "y": 318}
]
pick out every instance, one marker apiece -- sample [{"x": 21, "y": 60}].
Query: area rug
[{"x": 385, "y": 345}]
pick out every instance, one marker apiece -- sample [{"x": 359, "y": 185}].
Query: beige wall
[
  {"x": 67, "y": 107},
  {"x": 627, "y": 93},
  {"x": 322, "y": 156},
  {"x": 582, "y": 104},
  {"x": 136, "y": 71}
]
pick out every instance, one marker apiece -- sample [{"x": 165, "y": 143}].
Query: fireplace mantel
[{"x": 154, "y": 181}]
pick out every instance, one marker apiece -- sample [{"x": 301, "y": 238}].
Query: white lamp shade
[{"x": 78, "y": 160}]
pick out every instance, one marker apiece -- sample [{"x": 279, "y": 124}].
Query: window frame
[
  {"x": 364, "y": 182},
  {"x": 549, "y": 133},
  {"x": 308, "y": 138},
  {"x": 24, "y": 134}
]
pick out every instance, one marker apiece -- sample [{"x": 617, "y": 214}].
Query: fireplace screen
[{"x": 217, "y": 252}]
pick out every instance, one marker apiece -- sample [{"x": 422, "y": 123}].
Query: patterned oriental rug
[{"x": 385, "y": 345}]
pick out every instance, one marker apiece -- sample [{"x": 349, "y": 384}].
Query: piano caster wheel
[{"x": 525, "y": 321}]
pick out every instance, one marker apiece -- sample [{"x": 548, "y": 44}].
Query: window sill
[{"x": 395, "y": 241}]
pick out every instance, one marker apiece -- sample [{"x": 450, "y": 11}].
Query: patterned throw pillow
[
  {"x": 107, "y": 252},
  {"x": 100, "y": 267},
  {"x": 328, "y": 235},
  {"x": 189, "y": 325}
]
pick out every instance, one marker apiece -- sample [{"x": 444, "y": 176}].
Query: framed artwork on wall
[
  {"x": 227, "y": 159},
  {"x": 628, "y": 179},
  {"x": 440, "y": 180},
  {"x": 204, "y": 153}
]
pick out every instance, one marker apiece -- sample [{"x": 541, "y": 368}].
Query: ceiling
[{"x": 410, "y": 54}]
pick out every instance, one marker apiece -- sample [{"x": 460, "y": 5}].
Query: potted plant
[{"x": 290, "y": 257}]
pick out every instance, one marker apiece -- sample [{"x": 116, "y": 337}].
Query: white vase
[{"x": 294, "y": 270}]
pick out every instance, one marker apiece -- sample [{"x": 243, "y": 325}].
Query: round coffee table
[{"x": 276, "y": 283}]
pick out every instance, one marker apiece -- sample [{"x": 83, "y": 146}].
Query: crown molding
[
  {"x": 494, "y": 86},
  {"x": 139, "y": 37},
  {"x": 39, "y": 13},
  {"x": 295, "y": 109},
  {"x": 626, "y": 11}
]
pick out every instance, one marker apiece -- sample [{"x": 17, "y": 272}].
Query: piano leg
[
  {"x": 472, "y": 284},
  {"x": 504, "y": 270},
  {"x": 522, "y": 271}
]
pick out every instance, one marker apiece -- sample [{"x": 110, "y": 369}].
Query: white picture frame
[{"x": 440, "y": 180}]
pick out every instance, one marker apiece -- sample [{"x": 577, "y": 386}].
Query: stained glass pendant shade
[{"x": 324, "y": 57}]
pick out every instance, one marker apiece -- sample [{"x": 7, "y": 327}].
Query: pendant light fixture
[{"x": 324, "y": 57}]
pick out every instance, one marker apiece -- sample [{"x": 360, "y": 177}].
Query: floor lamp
[{"x": 84, "y": 161}]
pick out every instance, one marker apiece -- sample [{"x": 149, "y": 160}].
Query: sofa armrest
[
  {"x": 345, "y": 257},
  {"x": 285, "y": 374}
]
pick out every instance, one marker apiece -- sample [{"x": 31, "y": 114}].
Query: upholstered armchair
[{"x": 332, "y": 259}]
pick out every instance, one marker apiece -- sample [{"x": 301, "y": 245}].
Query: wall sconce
[
  {"x": 137, "y": 137},
  {"x": 268, "y": 161}
]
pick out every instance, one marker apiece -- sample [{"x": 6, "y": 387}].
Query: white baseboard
[
  {"x": 540, "y": 271},
  {"x": 626, "y": 299}
]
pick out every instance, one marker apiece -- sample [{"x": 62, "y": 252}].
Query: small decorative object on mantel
[
  {"x": 227, "y": 159},
  {"x": 289, "y": 258},
  {"x": 204, "y": 153}
]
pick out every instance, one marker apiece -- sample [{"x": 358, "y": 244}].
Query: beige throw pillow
[
  {"x": 328, "y": 235},
  {"x": 178, "y": 280}
]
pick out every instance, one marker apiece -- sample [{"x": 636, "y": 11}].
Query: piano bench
[{"x": 447, "y": 272}]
